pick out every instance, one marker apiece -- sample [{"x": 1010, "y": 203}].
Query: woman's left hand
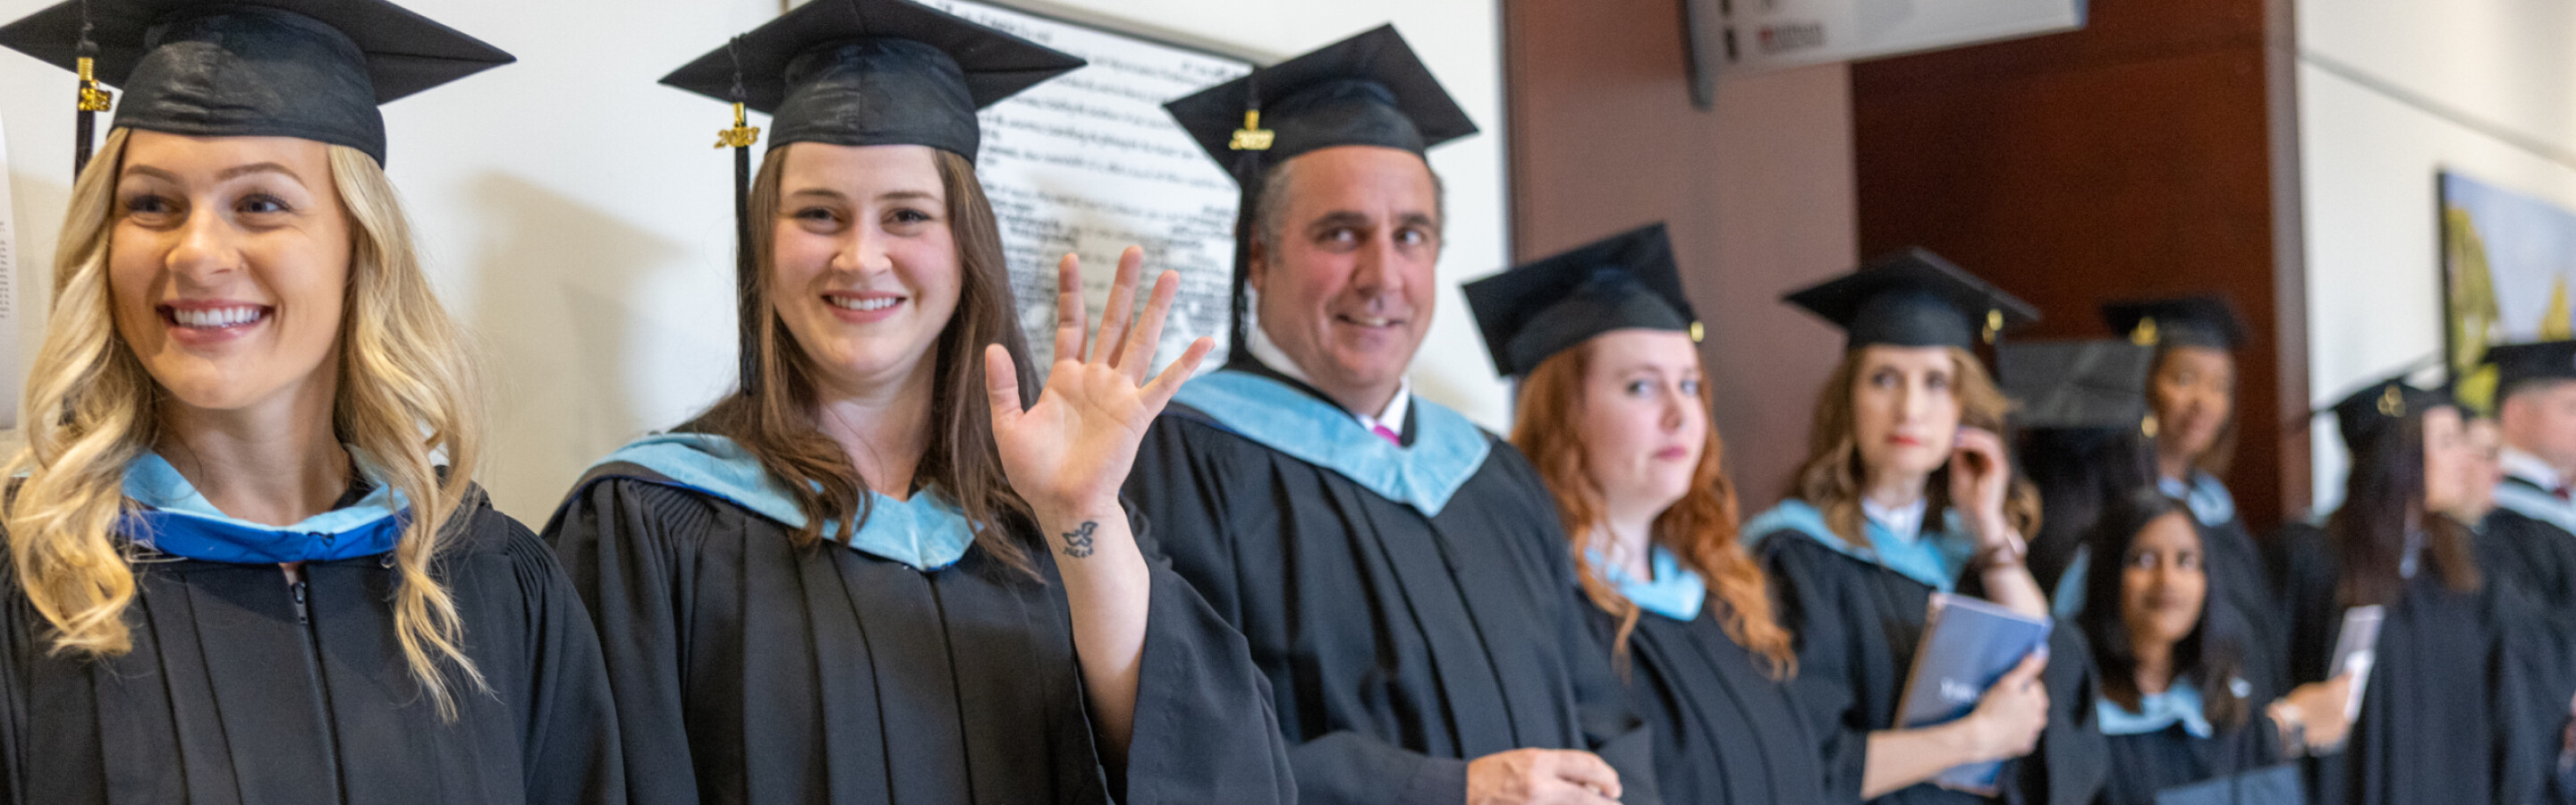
[
  {"x": 1068, "y": 454},
  {"x": 1980, "y": 478}
]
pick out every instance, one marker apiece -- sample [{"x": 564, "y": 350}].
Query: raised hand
[
  {"x": 1980, "y": 477},
  {"x": 1067, "y": 454}
]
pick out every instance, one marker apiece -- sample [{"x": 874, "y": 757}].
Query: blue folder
[{"x": 1967, "y": 645}]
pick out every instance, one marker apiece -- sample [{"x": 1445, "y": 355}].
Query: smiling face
[
  {"x": 1905, "y": 408},
  {"x": 1346, "y": 290},
  {"x": 2162, "y": 582},
  {"x": 1642, "y": 424},
  {"x": 863, "y": 267},
  {"x": 227, "y": 265},
  {"x": 2194, "y": 393}
]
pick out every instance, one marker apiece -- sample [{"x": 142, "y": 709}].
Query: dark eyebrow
[
  {"x": 1339, "y": 219},
  {"x": 833, "y": 195},
  {"x": 1415, "y": 219},
  {"x": 907, "y": 195}
]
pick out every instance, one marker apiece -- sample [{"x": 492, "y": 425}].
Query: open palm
[{"x": 1071, "y": 450}]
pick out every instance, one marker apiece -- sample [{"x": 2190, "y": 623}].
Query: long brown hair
[
  {"x": 2383, "y": 500},
  {"x": 1700, "y": 529},
  {"x": 2212, "y": 655},
  {"x": 776, "y": 423},
  {"x": 1831, "y": 478}
]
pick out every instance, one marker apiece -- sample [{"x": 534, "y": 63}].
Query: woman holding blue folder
[{"x": 1905, "y": 493}]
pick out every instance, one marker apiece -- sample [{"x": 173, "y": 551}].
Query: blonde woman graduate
[
  {"x": 894, "y": 568},
  {"x": 247, "y": 560},
  {"x": 1906, "y": 492}
]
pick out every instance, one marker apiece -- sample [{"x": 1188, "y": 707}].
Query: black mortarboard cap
[
  {"x": 2207, "y": 321},
  {"x": 1620, "y": 282},
  {"x": 872, "y": 72},
  {"x": 1913, "y": 298},
  {"x": 2539, "y": 360},
  {"x": 2090, "y": 384},
  {"x": 312, "y": 69},
  {"x": 2369, "y": 412},
  {"x": 1369, "y": 89},
  {"x": 856, "y": 73}
]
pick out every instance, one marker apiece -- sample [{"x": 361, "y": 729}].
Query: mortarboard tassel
[
  {"x": 1250, "y": 142},
  {"x": 92, "y": 99},
  {"x": 746, "y": 306}
]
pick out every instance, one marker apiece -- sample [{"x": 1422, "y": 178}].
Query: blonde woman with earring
[{"x": 247, "y": 561}]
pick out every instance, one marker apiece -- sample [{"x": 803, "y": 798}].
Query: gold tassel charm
[
  {"x": 2145, "y": 333},
  {"x": 1252, "y": 137},
  {"x": 92, "y": 98},
  {"x": 740, "y": 136},
  {"x": 1994, "y": 324},
  {"x": 2392, "y": 403}
]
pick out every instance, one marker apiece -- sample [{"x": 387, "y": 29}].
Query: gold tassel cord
[
  {"x": 740, "y": 136},
  {"x": 1252, "y": 137},
  {"x": 92, "y": 98}
]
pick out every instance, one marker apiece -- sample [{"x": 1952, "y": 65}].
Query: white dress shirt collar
[{"x": 1269, "y": 354}]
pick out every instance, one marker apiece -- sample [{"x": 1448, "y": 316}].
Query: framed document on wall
[
  {"x": 1089, "y": 163},
  {"x": 2508, "y": 260}
]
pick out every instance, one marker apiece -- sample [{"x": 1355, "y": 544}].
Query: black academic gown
[
  {"x": 2449, "y": 714},
  {"x": 242, "y": 689},
  {"x": 1398, "y": 646},
  {"x": 1857, "y": 624},
  {"x": 2537, "y": 558},
  {"x": 2146, "y": 763},
  {"x": 2242, "y": 578},
  {"x": 748, "y": 670},
  {"x": 1726, "y": 733}
]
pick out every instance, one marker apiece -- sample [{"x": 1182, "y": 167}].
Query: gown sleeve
[
  {"x": 1822, "y": 631},
  {"x": 572, "y": 745},
  {"x": 610, "y": 538},
  {"x": 1204, "y": 728},
  {"x": 1611, "y": 727},
  {"x": 1183, "y": 485}
]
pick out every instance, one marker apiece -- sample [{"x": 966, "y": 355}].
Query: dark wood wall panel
[
  {"x": 2144, "y": 155},
  {"x": 1757, "y": 195}
]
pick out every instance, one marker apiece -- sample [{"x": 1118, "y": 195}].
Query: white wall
[
  {"x": 2390, "y": 93},
  {"x": 572, "y": 212}
]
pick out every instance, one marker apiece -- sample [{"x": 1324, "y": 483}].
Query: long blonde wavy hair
[
  {"x": 1701, "y": 529},
  {"x": 1832, "y": 477},
  {"x": 407, "y": 393}
]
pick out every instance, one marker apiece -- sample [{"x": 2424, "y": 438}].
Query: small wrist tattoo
[{"x": 1077, "y": 543}]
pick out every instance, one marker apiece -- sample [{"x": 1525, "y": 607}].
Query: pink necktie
[{"x": 1388, "y": 434}]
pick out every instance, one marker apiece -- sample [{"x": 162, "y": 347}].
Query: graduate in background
[
  {"x": 2081, "y": 425},
  {"x": 2449, "y": 711},
  {"x": 1400, "y": 573},
  {"x": 1614, "y": 413},
  {"x": 247, "y": 560},
  {"x": 2191, "y": 389},
  {"x": 2175, "y": 706},
  {"x": 871, "y": 575},
  {"x": 1905, "y": 492},
  {"x": 2531, "y": 535}
]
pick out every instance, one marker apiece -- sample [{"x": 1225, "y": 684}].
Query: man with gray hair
[{"x": 1399, "y": 573}]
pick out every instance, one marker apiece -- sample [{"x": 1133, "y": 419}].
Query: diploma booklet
[{"x": 1967, "y": 645}]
